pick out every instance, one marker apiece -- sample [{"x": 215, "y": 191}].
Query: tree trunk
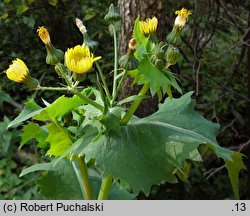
[{"x": 129, "y": 11}]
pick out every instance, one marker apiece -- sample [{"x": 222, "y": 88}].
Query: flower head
[
  {"x": 44, "y": 35},
  {"x": 182, "y": 17},
  {"x": 149, "y": 26},
  {"x": 79, "y": 59},
  {"x": 18, "y": 71}
]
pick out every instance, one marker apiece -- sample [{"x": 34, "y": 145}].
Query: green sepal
[
  {"x": 79, "y": 77},
  {"x": 87, "y": 41},
  {"x": 174, "y": 37},
  {"x": 31, "y": 83},
  {"x": 54, "y": 55}
]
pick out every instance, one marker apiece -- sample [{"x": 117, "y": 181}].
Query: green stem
[
  {"x": 103, "y": 81},
  {"x": 87, "y": 100},
  {"x": 119, "y": 87},
  {"x": 134, "y": 105},
  {"x": 105, "y": 188},
  {"x": 82, "y": 175},
  {"x": 44, "y": 88},
  {"x": 115, "y": 64},
  {"x": 66, "y": 78}
]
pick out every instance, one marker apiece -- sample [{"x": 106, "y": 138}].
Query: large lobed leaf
[{"x": 150, "y": 150}]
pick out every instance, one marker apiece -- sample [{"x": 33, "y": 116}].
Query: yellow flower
[
  {"x": 79, "y": 59},
  {"x": 44, "y": 35},
  {"x": 182, "y": 17},
  {"x": 18, "y": 71},
  {"x": 149, "y": 26}
]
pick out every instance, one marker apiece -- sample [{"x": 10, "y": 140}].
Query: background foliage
[{"x": 214, "y": 65}]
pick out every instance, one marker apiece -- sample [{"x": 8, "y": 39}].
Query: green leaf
[
  {"x": 138, "y": 35},
  {"x": 90, "y": 13},
  {"x": 147, "y": 73},
  {"x": 59, "y": 108},
  {"x": 29, "y": 21},
  {"x": 5, "y": 135},
  {"x": 58, "y": 139},
  {"x": 21, "y": 9},
  {"x": 151, "y": 150},
  {"x": 30, "y": 109},
  {"x": 53, "y": 2},
  {"x": 234, "y": 166},
  {"x": 34, "y": 131},
  {"x": 37, "y": 167},
  {"x": 131, "y": 98}
]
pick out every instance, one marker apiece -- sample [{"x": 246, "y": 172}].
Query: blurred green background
[{"x": 215, "y": 64}]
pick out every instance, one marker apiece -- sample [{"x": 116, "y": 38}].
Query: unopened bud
[
  {"x": 112, "y": 16},
  {"x": 172, "y": 55},
  {"x": 132, "y": 44},
  {"x": 129, "y": 61},
  {"x": 80, "y": 26}
]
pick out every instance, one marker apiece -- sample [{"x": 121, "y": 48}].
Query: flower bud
[
  {"x": 172, "y": 55},
  {"x": 132, "y": 44},
  {"x": 159, "y": 64},
  {"x": 112, "y": 16},
  {"x": 129, "y": 61},
  {"x": 80, "y": 26}
]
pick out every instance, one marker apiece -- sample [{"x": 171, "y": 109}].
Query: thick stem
[
  {"x": 134, "y": 105},
  {"x": 44, "y": 88},
  {"x": 87, "y": 100},
  {"x": 105, "y": 188},
  {"x": 82, "y": 175},
  {"x": 115, "y": 64},
  {"x": 103, "y": 81}
]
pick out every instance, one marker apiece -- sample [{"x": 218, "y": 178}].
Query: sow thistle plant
[{"x": 98, "y": 149}]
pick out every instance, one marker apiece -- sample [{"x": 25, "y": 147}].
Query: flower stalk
[
  {"x": 134, "y": 105},
  {"x": 114, "y": 92},
  {"x": 106, "y": 89}
]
